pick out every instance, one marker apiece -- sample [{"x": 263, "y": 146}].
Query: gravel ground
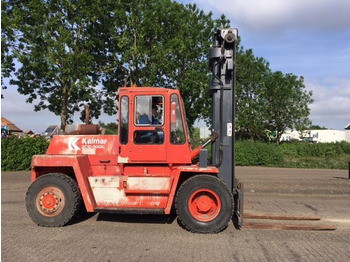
[{"x": 107, "y": 237}]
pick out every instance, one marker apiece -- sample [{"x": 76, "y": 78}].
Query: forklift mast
[{"x": 222, "y": 62}]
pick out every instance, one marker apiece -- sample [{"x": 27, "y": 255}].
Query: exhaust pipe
[{"x": 87, "y": 114}]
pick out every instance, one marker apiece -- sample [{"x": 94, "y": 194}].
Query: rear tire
[
  {"x": 52, "y": 200},
  {"x": 204, "y": 204}
]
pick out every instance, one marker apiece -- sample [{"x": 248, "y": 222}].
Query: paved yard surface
[{"x": 107, "y": 237}]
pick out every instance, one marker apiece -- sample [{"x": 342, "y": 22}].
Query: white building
[
  {"x": 319, "y": 136},
  {"x": 347, "y": 133}
]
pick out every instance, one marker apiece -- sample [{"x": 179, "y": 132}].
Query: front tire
[
  {"x": 204, "y": 204},
  {"x": 52, "y": 200}
]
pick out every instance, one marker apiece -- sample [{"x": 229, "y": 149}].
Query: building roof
[
  {"x": 347, "y": 127},
  {"x": 50, "y": 129},
  {"x": 11, "y": 126}
]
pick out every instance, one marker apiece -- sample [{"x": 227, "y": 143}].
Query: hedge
[
  {"x": 315, "y": 150},
  {"x": 296, "y": 154},
  {"x": 256, "y": 153},
  {"x": 16, "y": 153}
]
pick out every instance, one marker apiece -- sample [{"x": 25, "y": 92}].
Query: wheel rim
[
  {"x": 50, "y": 201},
  {"x": 204, "y": 205}
]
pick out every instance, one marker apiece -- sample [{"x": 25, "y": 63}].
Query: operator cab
[{"x": 152, "y": 126}]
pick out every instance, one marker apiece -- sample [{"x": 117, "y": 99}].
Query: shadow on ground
[{"x": 131, "y": 218}]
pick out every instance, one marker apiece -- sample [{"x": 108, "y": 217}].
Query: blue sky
[{"x": 309, "y": 38}]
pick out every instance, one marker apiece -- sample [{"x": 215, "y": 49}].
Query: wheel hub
[
  {"x": 50, "y": 201},
  {"x": 204, "y": 205}
]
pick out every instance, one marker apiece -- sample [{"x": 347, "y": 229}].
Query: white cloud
[
  {"x": 279, "y": 15},
  {"x": 331, "y": 107}
]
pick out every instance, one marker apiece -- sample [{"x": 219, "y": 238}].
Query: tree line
[{"x": 69, "y": 53}]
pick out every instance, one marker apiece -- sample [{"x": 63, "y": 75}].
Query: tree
[
  {"x": 60, "y": 48},
  {"x": 268, "y": 102},
  {"x": 252, "y": 72},
  {"x": 68, "y": 48},
  {"x": 110, "y": 128},
  {"x": 7, "y": 42},
  {"x": 195, "y": 139},
  {"x": 287, "y": 103},
  {"x": 164, "y": 43},
  {"x": 75, "y": 52},
  {"x": 317, "y": 127}
]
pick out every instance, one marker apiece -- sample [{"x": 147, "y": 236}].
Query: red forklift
[{"x": 149, "y": 167}]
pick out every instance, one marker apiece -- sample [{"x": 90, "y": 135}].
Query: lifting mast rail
[{"x": 222, "y": 63}]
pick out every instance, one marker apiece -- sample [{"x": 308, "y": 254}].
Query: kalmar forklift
[{"x": 149, "y": 167}]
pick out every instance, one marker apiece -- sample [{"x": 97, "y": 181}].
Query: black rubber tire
[
  {"x": 69, "y": 201},
  {"x": 205, "y": 182}
]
